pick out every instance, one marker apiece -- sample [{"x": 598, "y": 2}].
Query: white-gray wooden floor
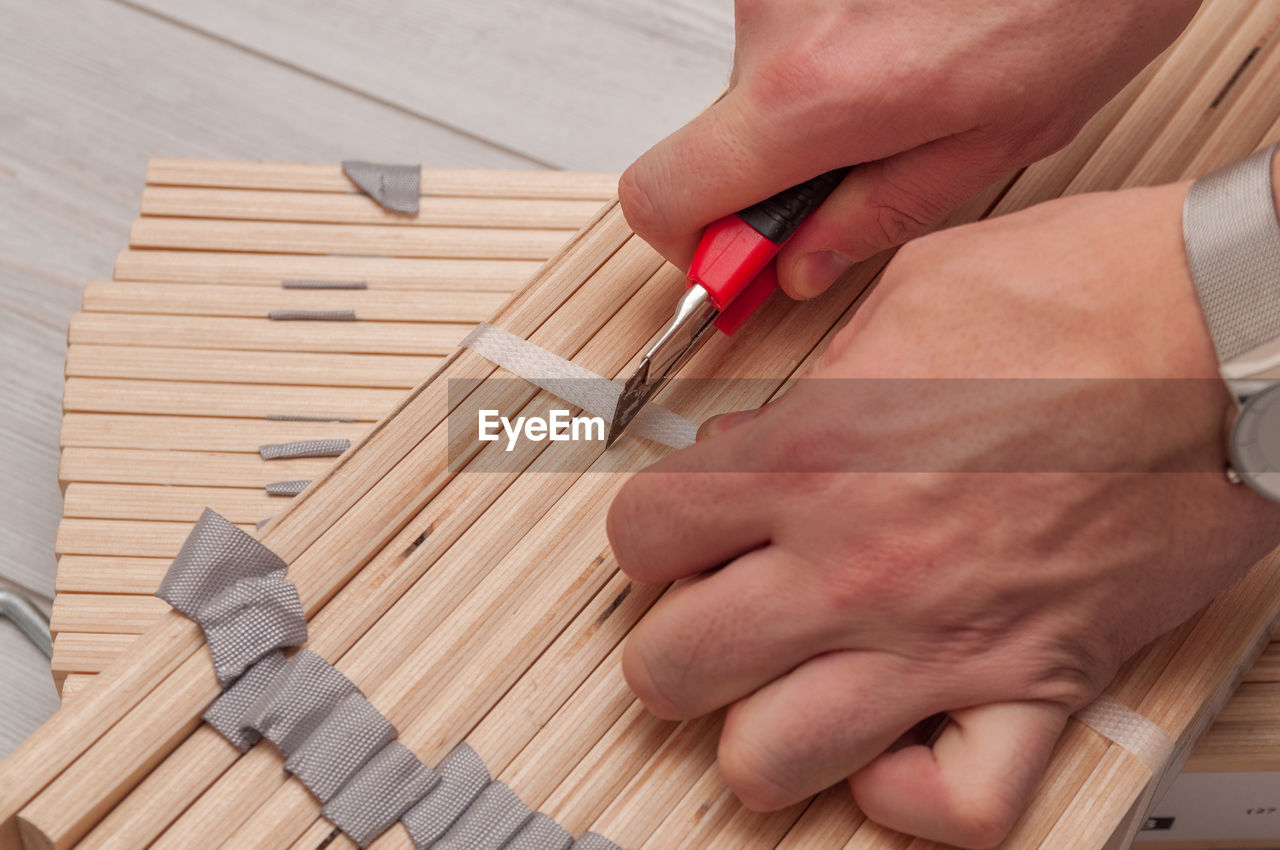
[{"x": 90, "y": 89}]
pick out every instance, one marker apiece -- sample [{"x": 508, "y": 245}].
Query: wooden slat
[
  {"x": 180, "y": 398},
  {"x": 199, "y": 469},
  {"x": 390, "y": 371},
  {"x": 400, "y": 273},
  {"x": 107, "y": 574},
  {"x": 431, "y": 338},
  {"x": 117, "y": 614},
  {"x": 230, "y": 300},
  {"x": 123, "y": 538},
  {"x": 82, "y": 653},
  {"x": 1245, "y": 736},
  {"x": 87, "y": 500},
  {"x": 1267, "y": 667},
  {"x": 73, "y": 683},
  {"x": 345, "y": 239},
  {"x": 325, "y": 177},
  {"x": 333, "y": 208},
  {"x": 195, "y": 433}
]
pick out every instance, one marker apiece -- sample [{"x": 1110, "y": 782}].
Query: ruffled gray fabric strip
[
  {"x": 394, "y": 187},
  {"x": 235, "y": 589},
  {"x": 382, "y": 790},
  {"x": 303, "y": 448},
  {"x": 287, "y": 488}
]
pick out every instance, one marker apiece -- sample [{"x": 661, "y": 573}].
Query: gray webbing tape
[
  {"x": 1114, "y": 720},
  {"x": 303, "y": 448},
  {"x": 385, "y": 788},
  {"x": 235, "y": 589},
  {"x": 394, "y": 187},
  {"x": 312, "y": 315},
  {"x": 462, "y": 777},
  {"x": 306, "y": 417},
  {"x": 580, "y": 387},
  {"x": 323, "y": 284},
  {"x": 489, "y": 822},
  {"x": 591, "y": 841},
  {"x": 227, "y": 712},
  {"x": 1233, "y": 246},
  {"x": 287, "y": 488}
]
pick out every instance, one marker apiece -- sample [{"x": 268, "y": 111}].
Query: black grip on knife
[{"x": 778, "y": 217}]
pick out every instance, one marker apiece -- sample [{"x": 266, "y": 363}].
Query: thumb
[
  {"x": 882, "y": 204},
  {"x": 971, "y": 786},
  {"x": 719, "y": 163}
]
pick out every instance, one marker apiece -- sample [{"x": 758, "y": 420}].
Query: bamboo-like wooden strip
[
  {"x": 434, "y": 182},
  {"x": 68, "y": 755},
  {"x": 88, "y": 653},
  {"x": 73, "y": 683},
  {"x": 105, "y": 574},
  {"x": 1245, "y": 736},
  {"x": 124, "y": 538},
  {"x": 105, "y": 613},
  {"x": 393, "y": 371},
  {"x": 171, "y": 467},
  {"x": 203, "y": 299},
  {"x": 830, "y": 822},
  {"x": 1267, "y": 667},
  {"x": 395, "y": 273},
  {"x": 196, "y": 433},
  {"x": 181, "y": 398},
  {"x": 430, "y": 338},
  {"x": 345, "y": 239},
  {"x": 165, "y": 502},
  {"x": 346, "y": 208}
]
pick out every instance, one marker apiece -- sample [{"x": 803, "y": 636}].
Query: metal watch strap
[{"x": 1232, "y": 237}]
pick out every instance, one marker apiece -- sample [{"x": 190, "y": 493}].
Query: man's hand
[
  {"x": 932, "y": 99},
  {"x": 864, "y": 554}
]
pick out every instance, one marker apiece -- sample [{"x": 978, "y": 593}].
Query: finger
[
  {"x": 882, "y": 204},
  {"x": 969, "y": 788},
  {"x": 818, "y": 724},
  {"x": 726, "y": 159},
  {"x": 692, "y": 511},
  {"x": 723, "y": 636}
]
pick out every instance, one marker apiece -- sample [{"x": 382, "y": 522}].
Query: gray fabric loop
[
  {"x": 540, "y": 833},
  {"x": 339, "y": 746},
  {"x": 1232, "y": 237},
  {"x": 462, "y": 777},
  {"x": 226, "y": 713},
  {"x": 382, "y": 790},
  {"x": 303, "y": 448},
  {"x": 235, "y": 589},
  {"x": 323, "y": 284},
  {"x": 592, "y": 841},
  {"x": 394, "y": 187},
  {"x": 297, "y": 701},
  {"x": 303, "y": 417},
  {"x": 492, "y": 820},
  {"x": 312, "y": 315},
  {"x": 288, "y": 488}
]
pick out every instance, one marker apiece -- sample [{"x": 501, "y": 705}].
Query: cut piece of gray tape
[
  {"x": 297, "y": 701},
  {"x": 382, "y": 790},
  {"x": 462, "y": 777},
  {"x": 312, "y": 315},
  {"x": 540, "y": 832},
  {"x": 323, "y": 284},
  {"x": 304, "y": 417},
  {"x": 287, "y": 488},
  {"x": 303, "y": 448},
  {"x": 352, "y": 733},
  {"x": 580, "y": 387},
  {"x": 235, "y": 589},
  {"x": 1114, "y": 720},
  {"x": 226, "y": 713},
  {"x": 488, "y": 823},
  {"x": 394, "y": 187}
]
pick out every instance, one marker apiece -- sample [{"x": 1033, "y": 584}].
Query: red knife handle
[{"x": 736, "y": 249}]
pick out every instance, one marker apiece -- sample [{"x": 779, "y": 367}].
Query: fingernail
[
  {"x": 817, "y": 271},
  {"x": 723, "y": 422}
]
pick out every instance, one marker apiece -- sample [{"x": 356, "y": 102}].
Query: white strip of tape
[
  {"x": 1112, "y": 719},
  {"x": 581, "y": 387}
]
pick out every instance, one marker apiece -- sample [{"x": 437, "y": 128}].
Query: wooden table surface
[{"x": 93, "y": 88}]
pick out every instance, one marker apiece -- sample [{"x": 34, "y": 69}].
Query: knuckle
[
  {"x": 751, "y": 772},
  {"x": 648, "y": 669}
]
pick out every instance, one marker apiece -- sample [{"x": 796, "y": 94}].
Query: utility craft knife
[{"x": 732, "y": 273}]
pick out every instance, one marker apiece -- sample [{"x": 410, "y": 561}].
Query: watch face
[{"x": 1255, "y": 442}]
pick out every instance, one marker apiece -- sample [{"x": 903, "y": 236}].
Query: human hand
[
  {"x": 864, "y": 554},
  {"x": 933, "y": 100}
]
